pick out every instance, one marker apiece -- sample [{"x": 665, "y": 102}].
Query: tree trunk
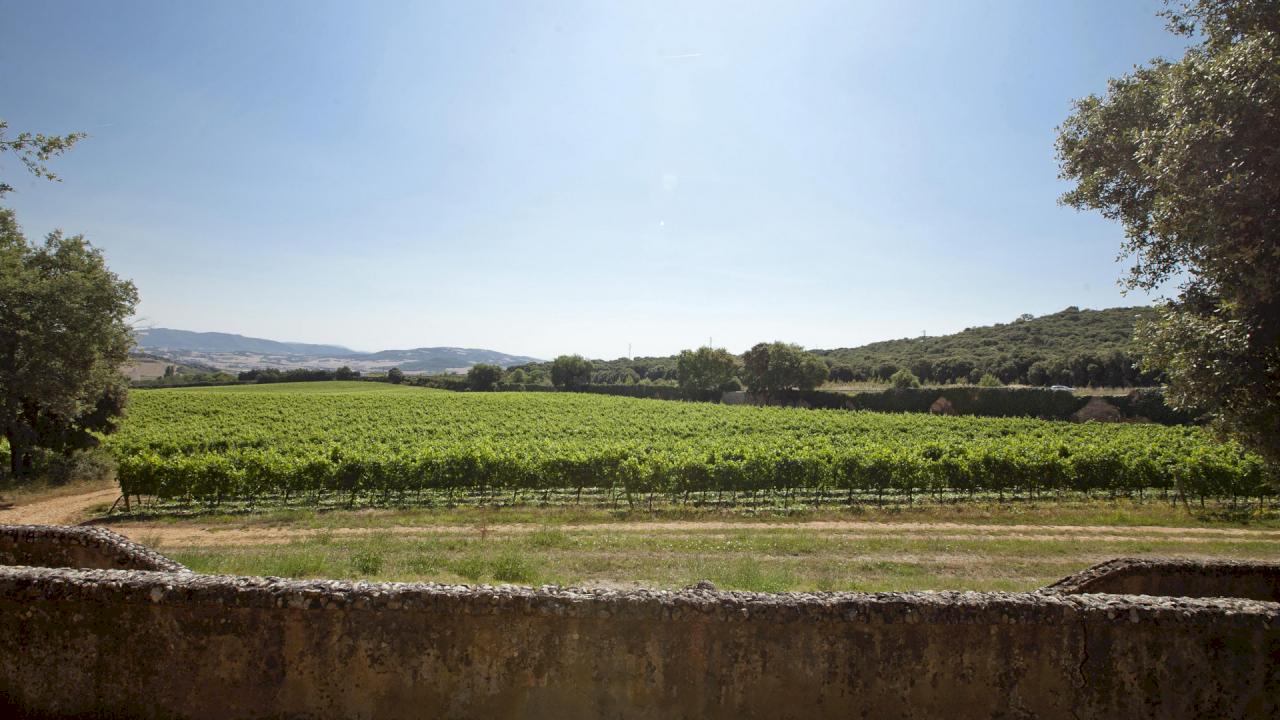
[{"x": 16, "y": 453}]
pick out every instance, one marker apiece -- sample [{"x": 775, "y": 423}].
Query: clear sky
[{"x": 556, "y": 177}]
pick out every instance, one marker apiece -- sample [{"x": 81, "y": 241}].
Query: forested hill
[{"x": 1071, "y": 347}]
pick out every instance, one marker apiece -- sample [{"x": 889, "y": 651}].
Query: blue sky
[{"x": 543, "y": 178}]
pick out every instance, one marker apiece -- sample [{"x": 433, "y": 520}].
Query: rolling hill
[
  {"x": 216, "y": 342},
  {"x": 236, "y": 353},
  {"x": 1071, "y": 347}
]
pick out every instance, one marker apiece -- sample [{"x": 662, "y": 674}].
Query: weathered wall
[
  {"x": 77, "y": 547},
  {"x": 152, "y": 644},
  {"x": 1172, "y": 577}
]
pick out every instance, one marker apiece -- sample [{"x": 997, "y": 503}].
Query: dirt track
[
  {"x": 60, "y": 510},
  {"x": 73, "y": 508},
  {"x": 225, "y": 535}
]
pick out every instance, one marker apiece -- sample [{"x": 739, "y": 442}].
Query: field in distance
[{"x": 376, "y": 481}]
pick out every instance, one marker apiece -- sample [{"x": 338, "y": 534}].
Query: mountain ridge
[{"x": 231, "y": 351}]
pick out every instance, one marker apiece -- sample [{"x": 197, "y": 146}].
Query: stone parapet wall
[
  {"x": 163, "y": 644},
  {"x": 77, "y": 547},
  {"x": 1176, "y": 577}
]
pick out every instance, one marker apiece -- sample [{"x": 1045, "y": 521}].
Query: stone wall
[
  {"x": 163, "y": 644},
  {"x": 77, "y": 547},
  {"x": 1172, "y": 577}
]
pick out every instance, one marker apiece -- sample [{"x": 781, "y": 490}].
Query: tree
[
  {"x": 842, "y": 373},
  {"x": 483, "y": 376},
  {"x": 1184, "y": 155},
  {"x": 63, "y": 339},
  {"x": 772, "y": 367},
  {"x": 706, "y": 369},
  {"x": 345, "y": 373},
  {"x": 34, "y": 150},
  {"x": 903, "y": 379},
  {"x": 395, "y": 376},
  {"x": 570, "y": 371},
  {"x": 989, "y": 380}
]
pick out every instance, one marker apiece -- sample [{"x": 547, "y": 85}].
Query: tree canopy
[
  {"x": 1186, "y": 156},
  {"x": 570, "y": 371},
  {"x": 1069, "y": 347},
  {"x": 706, "y": 369},
  {"x": 484, "y": 376},
  {"x": 904, "y": 378},
  {"x": 63, "y": 338},
  {"x": 771, "y": 367}
]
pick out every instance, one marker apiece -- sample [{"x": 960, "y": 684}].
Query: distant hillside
[
  {"x": 143, "y": 367},
  {"x": 238, "y": 353},
  {"x": 216, "y": 342},
  {"x": 1072, "y": 347},
  {"x": 442, "y": 359}
]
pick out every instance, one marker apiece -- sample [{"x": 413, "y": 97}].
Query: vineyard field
[{"x": 347, "y": 443}]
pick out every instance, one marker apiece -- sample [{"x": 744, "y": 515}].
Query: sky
[{"x": 574, "y": 177}]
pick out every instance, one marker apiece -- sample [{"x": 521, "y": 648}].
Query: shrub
[
  {"x": 568, "y": 371},
  {"x": 483, "y": 376},
  {"x": 904, "y": 378}
]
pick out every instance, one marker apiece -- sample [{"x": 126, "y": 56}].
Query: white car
[{"x": 1068, "y": 388}]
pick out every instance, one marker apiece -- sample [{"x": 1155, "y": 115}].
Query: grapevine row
[{"x": 212, "y": 445}]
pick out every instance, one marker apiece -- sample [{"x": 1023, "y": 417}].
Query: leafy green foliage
[
  {"x": 1183, "y": 154},
  {"x": 275, "y": 375},
  {"x": 63, "y": 338},
  {"x": 34, "y": 150},
  {"x": 1072, "y": 347},
  {"x": 483, "y": 376},
  {"x": 364, "y": 440},
  {"x": 706, "y": 369},
  {"x": 568, "y": 371},
  {"x": 903, "y": 379},
  {"x": 773, "y": 367},
  {"x": 395, "y": 376},
  {"x": 989, "y": 380}
]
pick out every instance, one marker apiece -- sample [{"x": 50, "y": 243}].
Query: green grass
[{"x": 760, "y": 559}]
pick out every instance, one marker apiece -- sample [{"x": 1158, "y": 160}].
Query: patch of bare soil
[
  {"x": 224, "y": 535},
  {"x": 71, "y": 508},
  {"x": 57, "y": 510}
]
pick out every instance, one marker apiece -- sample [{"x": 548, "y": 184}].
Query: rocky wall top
[
  {"x": 59, "y": 584},
  {"x": 78, "y": 547},
  {"x": 1175, "y": 577}
]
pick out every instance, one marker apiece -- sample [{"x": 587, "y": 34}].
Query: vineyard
[{"x": 347, "y": 444}]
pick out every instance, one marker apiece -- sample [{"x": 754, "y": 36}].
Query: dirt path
[
  {"x": 72, "y": 508},
  {"x": 231, "y": 535},
  {"x": 59, "y": 510}
]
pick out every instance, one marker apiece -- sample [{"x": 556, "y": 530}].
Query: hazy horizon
[
  {"x": 574, "y": 178},
  {"x": 381, "y": 348}
]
